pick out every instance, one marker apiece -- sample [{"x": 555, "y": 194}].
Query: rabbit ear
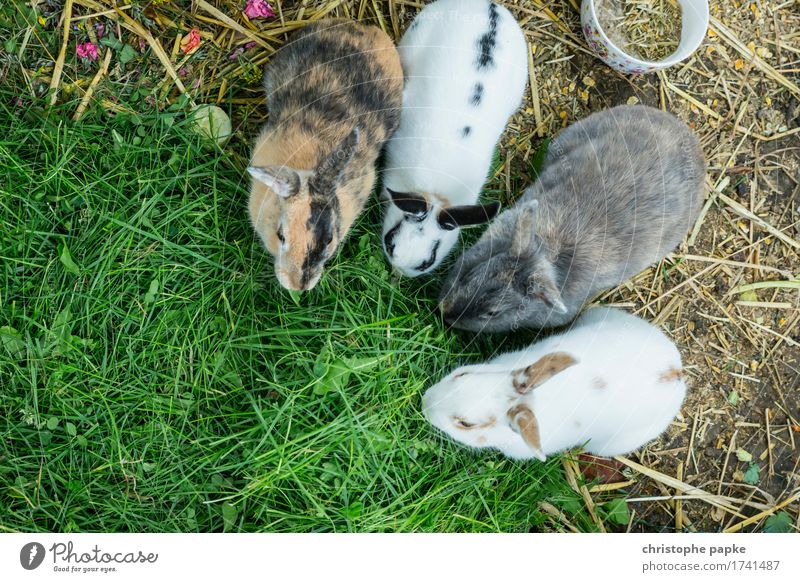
[
  {"x": 470, "y": 215},
  {"x": 409, "y": 202},
  {"x": 285, "y": 182},
  {"x": 524, "y": 233},
  {"x": 523, "y": 422},
  {"x": 526, "y": 379},
  {"x": 329, "y": 170},
  {"x": 543, "y": 287}
]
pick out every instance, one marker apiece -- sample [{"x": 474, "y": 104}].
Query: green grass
[{"x": 155, "y": 377}]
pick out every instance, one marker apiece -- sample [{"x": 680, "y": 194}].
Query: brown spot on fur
[
  {"x": 599, "y": 383},
  {"x": 671, "y": 375},
  {"x": 541, "y": 371},
  {"x": 523, "y": 418},
  {"x": 481, "y": 440},
  {"x": 462, "y": 424}
]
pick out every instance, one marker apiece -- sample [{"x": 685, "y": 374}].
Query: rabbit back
[
  {"x": 336, "y": 72},
  {"x": 626, "y": 389},
  {"x": 619, "y": 190},
  {"x": 466, "y": 68}
]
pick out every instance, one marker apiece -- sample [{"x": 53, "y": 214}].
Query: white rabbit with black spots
[{"x": 466, "y": 67}]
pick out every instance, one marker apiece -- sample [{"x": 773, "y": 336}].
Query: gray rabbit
[{"x": 618, "y": 191}]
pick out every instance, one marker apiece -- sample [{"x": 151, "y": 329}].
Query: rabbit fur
[
  {"x": 612, "y": 383},
  {"x": 334, "y": 95},
  {"x": 618, "y": 191},
  {"x": 466, "y": 67}
]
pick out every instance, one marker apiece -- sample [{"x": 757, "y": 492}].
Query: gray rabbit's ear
[
  {"x": 330, "y": 169},
  {"x": 544, "y": 288},
  {"x": 528, "y": 378},
  {"x": 285, "y": 182},
  {"x": 524, "y": 423},
  {"x": 522, "y": 243}
]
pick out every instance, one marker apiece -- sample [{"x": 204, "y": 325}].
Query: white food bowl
[{"x": 694, "y": 25}]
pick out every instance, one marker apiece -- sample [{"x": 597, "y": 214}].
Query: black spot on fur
[
  {"x": 488, "y": 41},
  {"x": 477, "y": 94},
  {"x": 323, "y": 221},
  {"x": 362, "y": 86},
  {"x": 430, "y": 260},
  {"x": 466, "y": 131},
  {"x": 388, "y": 240}
]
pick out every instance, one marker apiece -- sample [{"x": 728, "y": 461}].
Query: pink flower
[
  {"x": 86, "y": 50},
  {"x": 258, "y": 9},
  {"x": 191, "y": 41}
]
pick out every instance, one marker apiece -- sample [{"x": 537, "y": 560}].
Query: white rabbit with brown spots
[
  {"x": 334, "y": 95},
  {"x": 466, "y": 67},
  {"x": 611, "y": 383}
]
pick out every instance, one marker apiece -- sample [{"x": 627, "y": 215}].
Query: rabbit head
[
  {"x": 506, "y": 280},
  {"x": 305, "y": 229},
  {"x": 484, "y": 406},
  {"x": 419, "y": 230}
]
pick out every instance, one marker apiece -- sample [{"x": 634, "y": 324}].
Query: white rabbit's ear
[
  {"x": 526, "y": 379},
  {"x": 523, "y": 422}
]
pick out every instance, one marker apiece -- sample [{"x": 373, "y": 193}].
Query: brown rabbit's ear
[
  {"x": 526, "y": 379},
  {"x": 523, "y": 422},
  {"x": 469, "y": 215},
  {"x": 329, "y": 170},
  {"x": 285, "y": 182},
  {"x": 524, "y": 231}
]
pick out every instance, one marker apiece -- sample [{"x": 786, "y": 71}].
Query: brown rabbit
[{"x": 334, "y": 95}]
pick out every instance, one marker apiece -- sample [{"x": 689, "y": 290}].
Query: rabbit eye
[
  {"x": 280, "y": 236},
  {"x": 461, "y": 423}
]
